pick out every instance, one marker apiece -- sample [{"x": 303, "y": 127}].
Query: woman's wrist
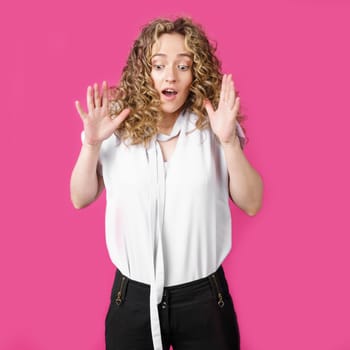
[
  {"x": 92, "y": 146},
  {"x": 232, "y": 144}
]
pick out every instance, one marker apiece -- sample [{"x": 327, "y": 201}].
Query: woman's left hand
[{"x": 223, "y": 120}]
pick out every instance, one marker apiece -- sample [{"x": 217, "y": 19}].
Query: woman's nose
[{"x": 170, "y": 75}]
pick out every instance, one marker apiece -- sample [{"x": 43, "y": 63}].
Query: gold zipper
[
  {"x": 119, "y": 295},
  {"x": 220, "y": 302}
]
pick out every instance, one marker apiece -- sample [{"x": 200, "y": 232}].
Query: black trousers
[{"x": 198, "y": 315}]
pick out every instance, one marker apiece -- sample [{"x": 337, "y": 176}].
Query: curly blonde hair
[{"x": 136, "y": 88}]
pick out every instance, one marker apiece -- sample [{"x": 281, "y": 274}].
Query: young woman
[{"x": 168, "y": 147}]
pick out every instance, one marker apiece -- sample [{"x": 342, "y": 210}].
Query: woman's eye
[
  {"x": 158, "y": 66},
  {"x": 183, "y": 67}
]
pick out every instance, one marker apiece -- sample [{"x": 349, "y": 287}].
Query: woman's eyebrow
[{"x": 184, "y": 54}]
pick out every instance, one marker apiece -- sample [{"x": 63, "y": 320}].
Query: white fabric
[
  {"x": 165, "y": 167},
  {"x": 165, "y": 230}
]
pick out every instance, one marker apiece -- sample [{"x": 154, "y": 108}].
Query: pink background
[{"x": 288, "y": 270}]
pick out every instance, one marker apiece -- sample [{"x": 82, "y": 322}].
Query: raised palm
[
  {"x": 223, "y": 119},
  {"x": 98, "y": 125}
]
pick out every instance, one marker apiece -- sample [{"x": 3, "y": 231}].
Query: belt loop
[
  {"x": 121, "y": 290},
  {"x": 213, "y": 279}
]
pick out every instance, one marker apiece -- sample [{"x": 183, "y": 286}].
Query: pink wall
[{"x": 289, "y": 266}]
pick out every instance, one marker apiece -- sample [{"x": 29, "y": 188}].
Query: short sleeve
[
  {"x": 99, "y": 165},
  {"x": 241, "y": 135}
]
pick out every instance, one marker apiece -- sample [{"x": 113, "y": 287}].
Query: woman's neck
[{"x": 166, "y": 124}]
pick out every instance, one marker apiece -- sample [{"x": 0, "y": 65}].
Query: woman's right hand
[{"x": 98, "y": 125}]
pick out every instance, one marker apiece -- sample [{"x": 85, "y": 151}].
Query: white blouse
[{"x": 167, "y": 222}]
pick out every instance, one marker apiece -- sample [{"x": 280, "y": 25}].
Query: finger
[
  {"x": 80, "y": 110},
  {"x": 209, "y": 107},
  {"x": 228, "y": 88},
  {"x": 231, "y": 94},
  {"x": 89, "y": 99},
  {"x": 121, "y": 117},
  {"x": 97, "y": 96},
  {"x": 222, "y": 92},
  {"x": 236, "y": 106},
  {"x": 104, "y": 94}
]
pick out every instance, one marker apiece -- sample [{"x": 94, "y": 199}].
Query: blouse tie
[{"x": 156, "y": 218}]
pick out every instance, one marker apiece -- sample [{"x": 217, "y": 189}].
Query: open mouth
[{"x": 169, "y": 92}]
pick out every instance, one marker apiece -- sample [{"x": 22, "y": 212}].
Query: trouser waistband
[{"x": 214, "y": 284}]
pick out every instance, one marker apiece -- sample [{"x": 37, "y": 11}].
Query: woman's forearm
[
  {"x": 85, "y": 185},
  {"x": 245, "y": 183}
]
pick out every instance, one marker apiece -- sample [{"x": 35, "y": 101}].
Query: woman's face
[{"x": 171, "y": 72}]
